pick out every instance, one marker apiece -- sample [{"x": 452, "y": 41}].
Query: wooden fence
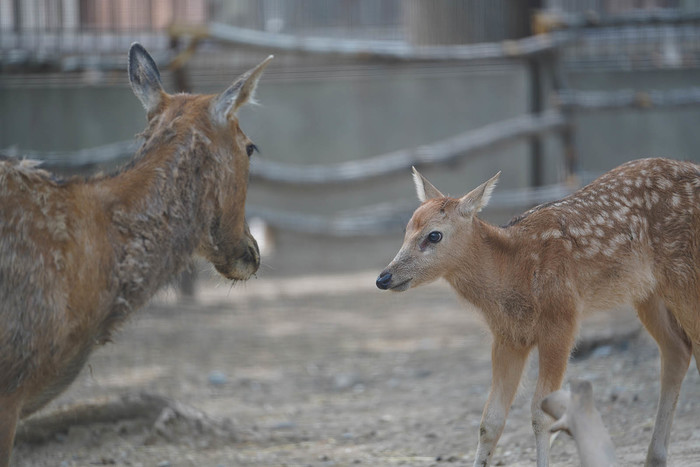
[{"x": 549, "y": 114}]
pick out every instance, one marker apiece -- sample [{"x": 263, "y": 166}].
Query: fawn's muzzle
[{"x": 384, "y": 280}]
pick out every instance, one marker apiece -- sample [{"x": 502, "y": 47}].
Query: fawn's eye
[
  {"x": 250, "y": 149},
  {"x": 435, "y": 236}
]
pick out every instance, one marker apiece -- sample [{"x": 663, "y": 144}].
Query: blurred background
[{"x": 551, "y": 92}]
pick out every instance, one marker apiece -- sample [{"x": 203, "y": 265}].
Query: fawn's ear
[
  {"x": 424, "y": 189},
  {"x": 145, "y": 78},
  {"x": 239, "y": 93},
  {"x": 478, "y": 198}
]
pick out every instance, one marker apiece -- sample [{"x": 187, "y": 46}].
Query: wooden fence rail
[
  {"x": 390, "y": 218},
  {"x": 626, "y": 99},
  {"x": 535, "y": 51},
  {"x": 462, "y": 146},
  {"x": 377, "y": 49}
]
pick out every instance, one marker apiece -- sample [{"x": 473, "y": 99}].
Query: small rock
[
  {"x": 217, "y": 378},
  {"x": 164, "y": 464},
  {"x": 344, "y": 381},
  {"x": 421, "y": 374},
  {"x": 104, "y": 461},
  {"x": 617, "y": 394},
  {"x": 286, "y": 425},
  {"x": 602, "y": 351}
]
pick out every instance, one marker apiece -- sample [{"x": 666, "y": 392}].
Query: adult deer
[
  {"x": 631, "y": 237},
  {"x": 78, "y": 256}
]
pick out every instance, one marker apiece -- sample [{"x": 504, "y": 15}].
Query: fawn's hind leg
[{"x": 675, "y": 350}]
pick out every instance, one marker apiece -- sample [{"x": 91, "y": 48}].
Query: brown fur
[
  {"x": 630, "y": 237},
  {"x": 78, "y": 256}
]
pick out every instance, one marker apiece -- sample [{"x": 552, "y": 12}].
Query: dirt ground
[{"x": 330, "y": 371}]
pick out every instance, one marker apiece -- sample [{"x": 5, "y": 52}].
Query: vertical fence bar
[
  {"x": 559, "y": 84},
  {"x": 535, "y": 74},
  {"x": 187, "y": 282},
  {"x": 535, "y": 70}
]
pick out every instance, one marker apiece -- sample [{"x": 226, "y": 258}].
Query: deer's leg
[
  {"x": 553, "y": 358},
  {"x": 675, "y": 350},
  {"x": 696, "y": 354},
  {"x": 507, "y": 363},
  {"x": 10, "y": 406}
]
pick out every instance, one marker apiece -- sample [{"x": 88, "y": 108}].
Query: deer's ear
[
  {"x": 239, "y": 93},
  {"x": 145, "y": 78},
  {"x": 478, "y": 198},
  {"x": 424, "y": 189}
]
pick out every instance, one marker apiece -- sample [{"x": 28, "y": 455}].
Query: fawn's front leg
[{"x": 507, "y": 363}]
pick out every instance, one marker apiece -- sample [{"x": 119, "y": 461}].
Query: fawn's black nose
[{"x": 384, "y": 280}]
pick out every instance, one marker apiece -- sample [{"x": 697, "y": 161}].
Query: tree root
[{"x": 164, "y": 415}]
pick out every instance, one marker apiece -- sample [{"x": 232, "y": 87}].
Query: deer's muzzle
[
  {"x": 243, "y": 264},
  {"x": 384, "y": 280},
  {"x": 387, "y": 281}
]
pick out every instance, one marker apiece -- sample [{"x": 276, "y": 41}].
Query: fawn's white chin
[{"x": 405, "y": 285}]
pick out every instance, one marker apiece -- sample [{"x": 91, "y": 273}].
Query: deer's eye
[
  {"x": 250, "y": 149},
  {"x": 435, "y": 236}
]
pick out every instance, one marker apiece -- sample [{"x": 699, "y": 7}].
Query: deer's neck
[
  {"x": 158, "y": 214},
  {"x": 484, "y": 268}
]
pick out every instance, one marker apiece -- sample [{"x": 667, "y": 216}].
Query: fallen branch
[
  {"x": 576, "y": 415},
  {"x": 157, "y": 411}
]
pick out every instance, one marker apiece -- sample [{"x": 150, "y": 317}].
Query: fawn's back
[{"x": 631, "y": 233}]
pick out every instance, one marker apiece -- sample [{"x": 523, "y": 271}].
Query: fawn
[
  {"x": 630, "y": 237},
  {"x": 77, "y": 256}
]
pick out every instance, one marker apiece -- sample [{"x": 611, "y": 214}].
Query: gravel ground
[{"x": 330, "y": 371}]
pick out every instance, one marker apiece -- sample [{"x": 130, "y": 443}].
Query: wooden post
[
  {"x": 535, "y": 67},
  {"x": 187, "y": 282},
  {"x": 559, "y": 83},
  {"x": 441, "y": 22}
]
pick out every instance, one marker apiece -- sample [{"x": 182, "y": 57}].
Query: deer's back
[
  {"x": 41, "y": 314},
  {"x": 631, "y": 232}
]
